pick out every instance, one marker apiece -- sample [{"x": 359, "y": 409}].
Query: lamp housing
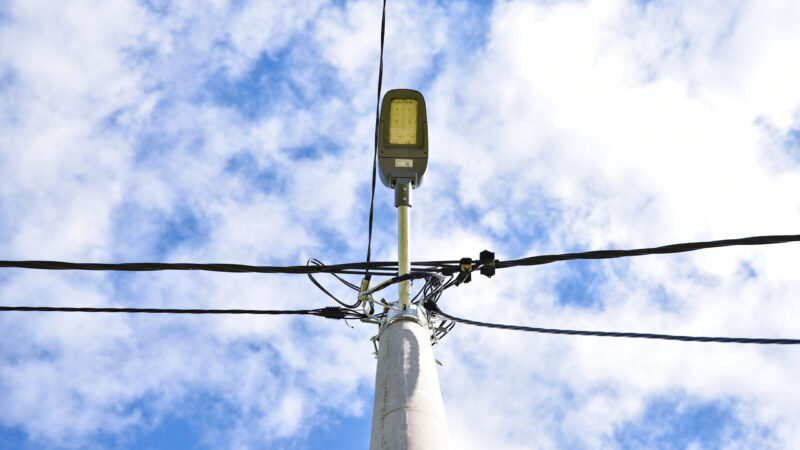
[{"x": 402, "y": 137}]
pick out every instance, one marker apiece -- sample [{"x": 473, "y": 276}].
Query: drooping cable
[
  {"x": 431, "y": 292},
  {"x": 367, "y": 275},
  {"x": 433, "y": 308},
  {"x": 674, "y": 248},
  {"x": 317, "y": 262},
  {"x": 329, "y": 312}
]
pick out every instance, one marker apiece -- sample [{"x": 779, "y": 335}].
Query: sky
[{"x": 241, "y": 132}]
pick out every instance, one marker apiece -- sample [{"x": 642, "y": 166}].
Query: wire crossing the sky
[
  {"x": 375, "y": 151},
  {"x": 674, "y": 248},
  {"x": 329, "y": 312},
  {"x": 426, "y": 269},
  {"x": 350, "y": 268},
  {"x": 433, "y": 308},
  {"x": 389, "y": 268}
]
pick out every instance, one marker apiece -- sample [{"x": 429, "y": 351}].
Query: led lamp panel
[{"x": 403, "y": 121}]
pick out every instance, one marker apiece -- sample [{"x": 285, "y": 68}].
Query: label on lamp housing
[{"x": 404, "y": 163}]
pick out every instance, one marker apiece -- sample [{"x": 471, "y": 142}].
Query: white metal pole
[
  {"x": 408, "y": 411},
  {"x": 403, "y": 264}
]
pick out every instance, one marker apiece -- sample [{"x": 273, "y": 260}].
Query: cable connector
[
  {"x": 332, "y": 312},
  {"x": 465, "y": 272},
  {"x": 430, "y": 306},
  {"x": 487, "y": 263},
  {"x": 448, "y": 270}
]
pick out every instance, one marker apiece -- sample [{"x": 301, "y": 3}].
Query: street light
[
  {"x": 408, "y": 411},
  {"x": 403, "y": 158},
  {"x": 403, "y": 137}
]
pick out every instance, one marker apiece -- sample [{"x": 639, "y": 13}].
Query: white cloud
[{"x": 601, "y": 108}]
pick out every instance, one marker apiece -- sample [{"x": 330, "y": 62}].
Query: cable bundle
[{"x": 438, "y": 276}]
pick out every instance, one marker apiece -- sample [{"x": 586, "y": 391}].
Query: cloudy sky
[{"x": 241, "y": 132}]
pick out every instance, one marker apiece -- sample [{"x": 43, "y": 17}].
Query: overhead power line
[
  {"x": 433, "y": 308},
  {"x": 375, "y": 150},
  {"x": 389, "y": 268},
  {"x": 382, "y": 268},
  {"x": 329, "y": 312},
  {"x": 674, "y": 248}
]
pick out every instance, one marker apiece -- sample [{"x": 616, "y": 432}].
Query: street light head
[{"x": 403, "y": 137}]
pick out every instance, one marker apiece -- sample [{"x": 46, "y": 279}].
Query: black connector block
[{"x": 487, "y": 263}]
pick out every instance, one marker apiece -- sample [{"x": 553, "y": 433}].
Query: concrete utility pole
[{"x": 408, "y": 411}]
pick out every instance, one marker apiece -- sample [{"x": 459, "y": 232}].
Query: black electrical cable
[
  {"x": 433, "y": 308},
  {"x": 349, "y": 268},
  {"x": 381, "y": 268},
  {"x": 399, "y": 278},
  {"x": 375, "y": 151},
  {"x": 389, "y": 268},
  {"x": 317, "y": 262},
  {"x": 674, "y": 248},
  {"x": 330, "y": 312},
  {"x": 319, "y": 286}
]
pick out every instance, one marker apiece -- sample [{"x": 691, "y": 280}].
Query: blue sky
[{"x": 241, "y": 132}]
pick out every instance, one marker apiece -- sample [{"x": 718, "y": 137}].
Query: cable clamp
[
  {"x": 446, "y": 271},
  {"x": 374, "y": 340},
  {"x": 465, "y": 273},
  {"x": 364, "y": 288},
  {"x": 487, "y": 263},
  {"x": 431, "y": 306}
]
